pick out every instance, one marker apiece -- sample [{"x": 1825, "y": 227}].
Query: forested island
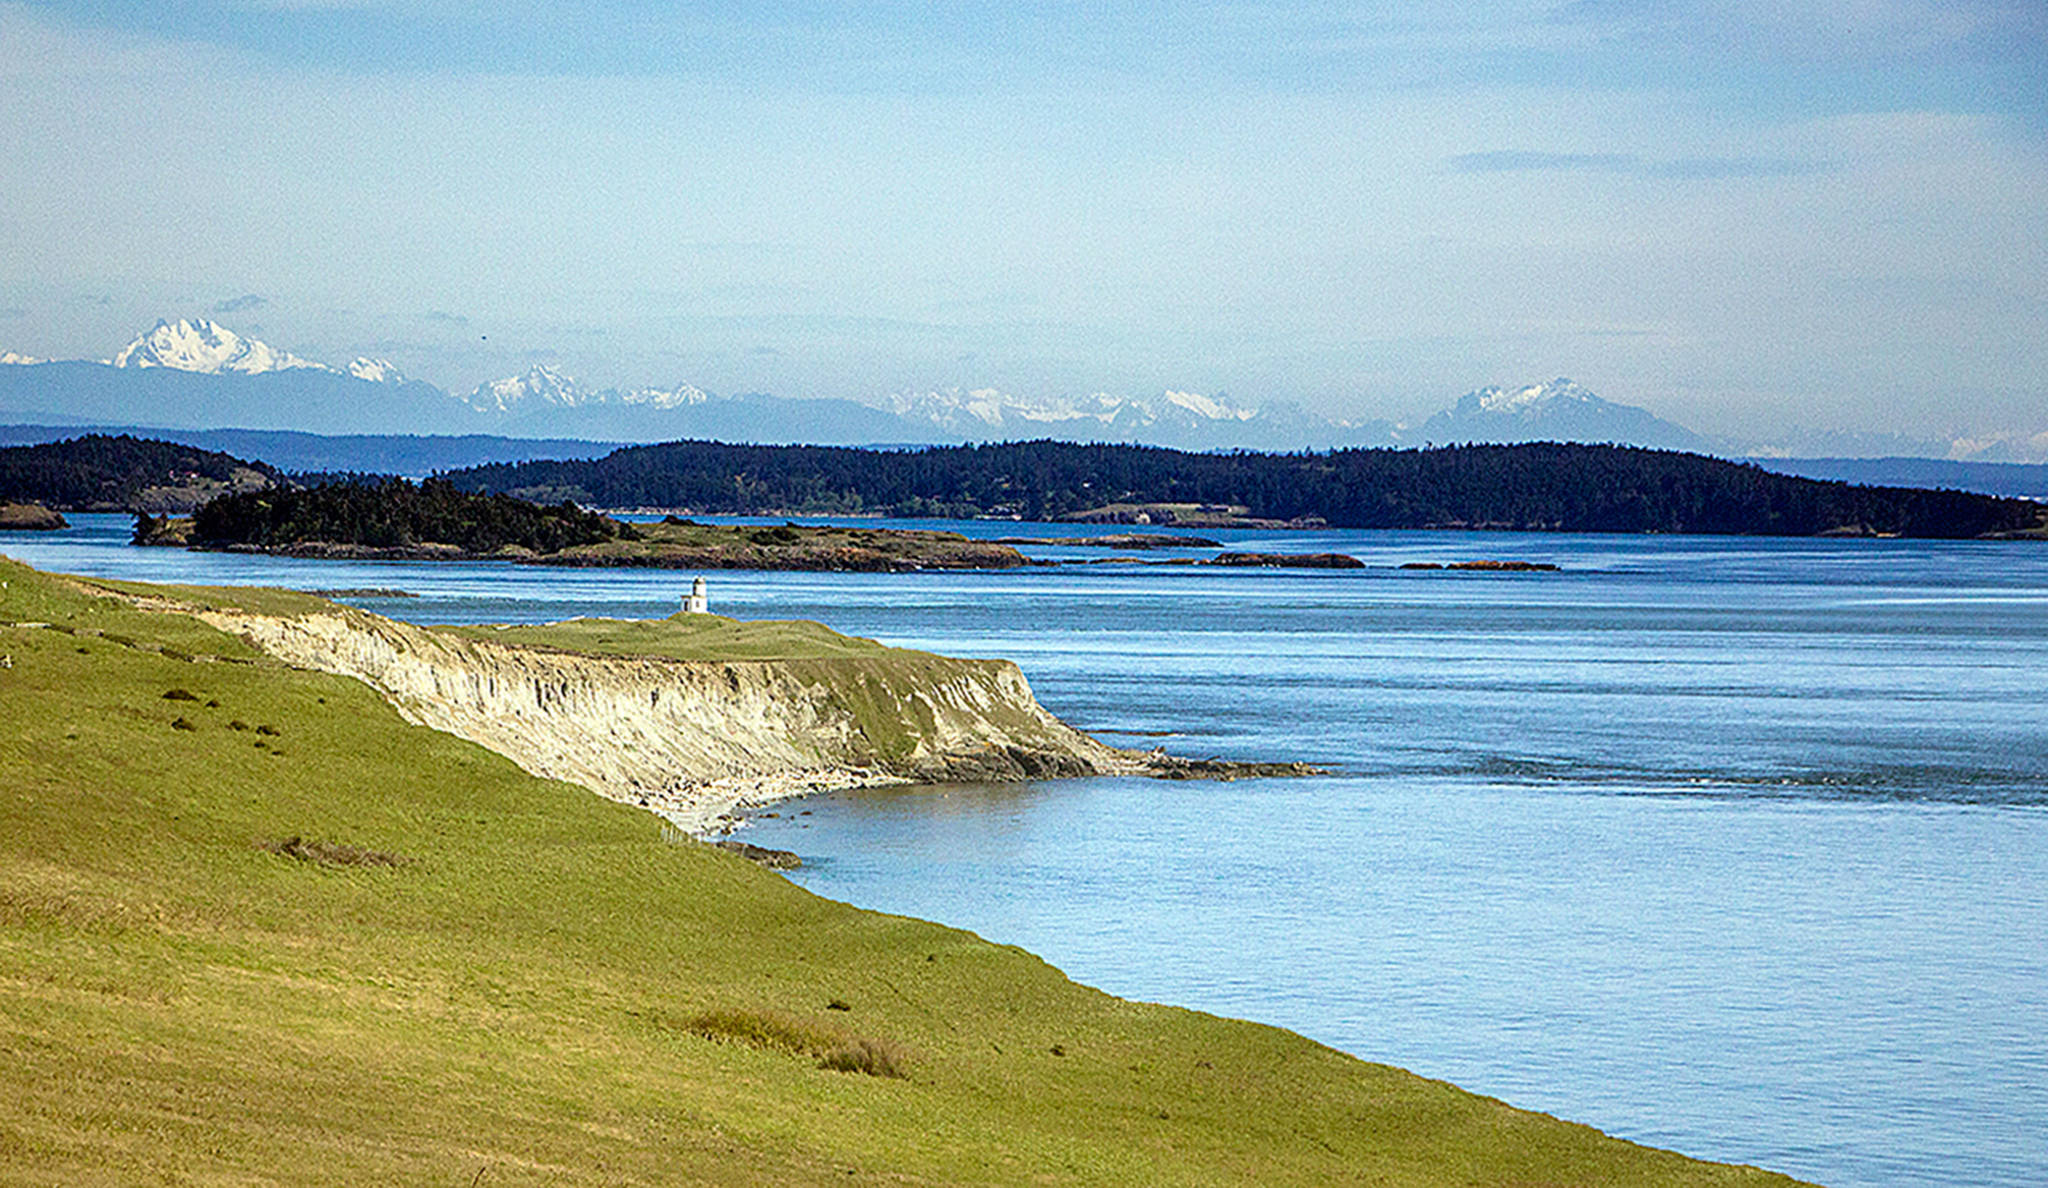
[
  {"x": 98, "y": 473},
  {"x": 1537, "y": 487},
  {"x": 388, "y": 517},
  {"x": 433, "y": 520},
  {"x": 539, "y": 508}
]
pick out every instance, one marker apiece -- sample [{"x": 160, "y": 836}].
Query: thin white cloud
[
  {"x": 1677, "y": 168},
  {"x": 1527, "y": 161},
  {"x": 1808, "y": 29}
]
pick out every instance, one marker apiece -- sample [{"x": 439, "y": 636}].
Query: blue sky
[{"x": 1747, "y": 216}]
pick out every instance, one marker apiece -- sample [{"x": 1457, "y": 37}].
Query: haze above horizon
[{"x": 1745, "y": 217}]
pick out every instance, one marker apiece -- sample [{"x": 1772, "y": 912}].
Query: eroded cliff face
[{"x": 690, "y": 739}]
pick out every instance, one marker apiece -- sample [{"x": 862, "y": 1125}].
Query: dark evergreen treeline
[
  {"x": 1570, "y": 488},
  {"x": 100, "y": 473},
  {"x": 351, "y": 478},
  {"x": 396, "y": 514}
]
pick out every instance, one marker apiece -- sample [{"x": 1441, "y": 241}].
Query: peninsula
[{"x": 262, "y": 916}]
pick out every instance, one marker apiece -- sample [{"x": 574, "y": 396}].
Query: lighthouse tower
[{"x": 699, "y": 600}]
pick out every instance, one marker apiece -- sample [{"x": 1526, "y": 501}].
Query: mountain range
[
  {"x": 195, "y": 374},
  {"x": 208, "y": 349}
]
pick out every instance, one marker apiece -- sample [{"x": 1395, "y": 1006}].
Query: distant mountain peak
[
  {"x": 550, "y": 387},
  {"x": 1210, "y": 408},
  {"x": 541, "y": 384},
  {"x": 978, "y": 411},
  {"x": 1533, "y": 398},
  {"x": 376, "y": 371},
  {"x": 680, "y": 396},
  {"x": 972, "y": 411},
  {"x": 1560, "y": 410},
  {"x": 11, "y": 359},
  {"x": 200, "y": 345}
]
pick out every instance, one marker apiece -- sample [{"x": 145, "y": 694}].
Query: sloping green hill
[{"x": 256, "y": 928}]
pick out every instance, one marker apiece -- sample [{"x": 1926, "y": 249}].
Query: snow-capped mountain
[
  {"x": 1557, "y": 411},
  {"x": 979, "y": 412},
  {"x": 1528, "y": 405},
  {"x": 680, "y": 396},
  {"x": 980, "y": 409},
  {"x": 1181, "y": 419},
  {"x": 376, "y": 371},
  {"x": 540, "y": 385},
  {"x": 548, "y": 387},
  {"x": 1207, "y": 408},
  {"x": 201, "y": 346},
  {"x": 2003, "y": 447},
  {"x": 197, "y": 373}
]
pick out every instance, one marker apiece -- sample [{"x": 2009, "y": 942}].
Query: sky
[{"x": 1749, "y": 216}]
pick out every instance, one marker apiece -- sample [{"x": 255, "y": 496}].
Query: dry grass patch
[
  {"x": 875, "y": 1057},
  {"x": 793, "y": 1035},
  {"x": 770, "y": 1031}
]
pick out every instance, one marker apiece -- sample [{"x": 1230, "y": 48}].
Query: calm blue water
[{"x": 1733, "y": 846}]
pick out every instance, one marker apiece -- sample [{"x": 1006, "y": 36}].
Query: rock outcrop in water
[
  {"x": 692, "y": 738},
  {"x": 29, "y": 517}
]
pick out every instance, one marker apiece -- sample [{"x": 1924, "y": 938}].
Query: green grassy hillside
[
  {"x": 691, "y": 637},
  {"x": 255, "y": 928}
]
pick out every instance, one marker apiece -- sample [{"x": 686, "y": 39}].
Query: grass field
[
  {"x": 690, "y": 637},
  {"x": 254, "y": 928}
]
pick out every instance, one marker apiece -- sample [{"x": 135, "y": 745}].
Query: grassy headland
[
  {"x": 689, "y": 637},
  {"x": 256, "y": 927}
]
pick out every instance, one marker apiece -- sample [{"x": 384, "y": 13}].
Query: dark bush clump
[{"x": 785, "y": 535}]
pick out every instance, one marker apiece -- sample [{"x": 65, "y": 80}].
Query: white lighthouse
[{"x": 699, "y": 600}]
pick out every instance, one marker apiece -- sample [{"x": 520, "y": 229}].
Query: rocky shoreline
[
  {"x": 695, "y": 740},
  {"x": 760, "y": 791}
]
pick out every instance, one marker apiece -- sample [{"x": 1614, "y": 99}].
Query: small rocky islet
[{"x": 30, "y": 517}]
